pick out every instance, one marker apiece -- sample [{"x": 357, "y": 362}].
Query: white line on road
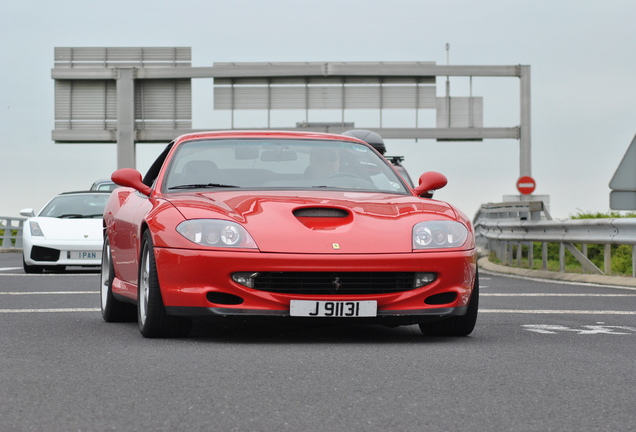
[
  {"x": 50, "y": 274},
  {"x": 49, "y": 310},
  {"x": 510, "y": 311},
  {"x": 48, "y": 292},
  {"x": 552, "y": 295},
  {"x": 561, "y": 312}
]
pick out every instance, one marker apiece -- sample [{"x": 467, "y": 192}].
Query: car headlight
[
  {"x": 35, "y": 229},
  {"x": 439, "y": 234},
  {"x": 216, "y": 233}
]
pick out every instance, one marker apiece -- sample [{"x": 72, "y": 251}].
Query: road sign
[
  {"x": 623, "y": 184},
  {"x": 526, "y": 185}
]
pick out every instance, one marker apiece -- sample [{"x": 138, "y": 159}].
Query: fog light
[
  {"x": 245, "y": 278},
  {"x": 423, "y": 279}
]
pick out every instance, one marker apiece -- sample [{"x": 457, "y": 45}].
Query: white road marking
[
  {"x": 556, "y": 311},
  {"x": 501, "y": 311},
  {"x": 481, "y": 294},
  {"x": 586, "y": 330},
  {"x": 50, "y": 310},
  {"x": 558, "y": 281},
  {"x": 48, "y": 292},
  {"x": 552, "y": 295},
  {"x": 88, "y": 273}
]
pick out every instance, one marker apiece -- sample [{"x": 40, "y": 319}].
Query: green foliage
[
  {"x": 621, "y": 258},
  {"x": 599, "y": 215},
  {"x": 596, "y": 254},
  {"x": 13, "y": 235}
]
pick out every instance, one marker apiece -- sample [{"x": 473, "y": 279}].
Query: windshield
[
  {"x": 76, "y": 206},
  {"x": 280, "y": 164}
]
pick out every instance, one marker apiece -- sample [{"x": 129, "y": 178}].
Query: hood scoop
[{"x": 323, "y": 217}]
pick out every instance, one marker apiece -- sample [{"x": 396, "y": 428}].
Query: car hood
[
  {"x": 69, "y": 229},
  {"x": 325, "y": 222}
]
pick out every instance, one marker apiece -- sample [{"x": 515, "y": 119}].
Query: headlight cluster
[
  {"x": 35, "y": 229},
  {"x": 439, "y": 234},
  {"x": 216, "y": 233}
]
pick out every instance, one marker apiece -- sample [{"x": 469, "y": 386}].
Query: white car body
[{"x": 56, "y": 242}]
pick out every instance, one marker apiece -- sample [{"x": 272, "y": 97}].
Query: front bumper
[
  {"x": 186, "y": 277},
  {"x": 63, "y": 253}
]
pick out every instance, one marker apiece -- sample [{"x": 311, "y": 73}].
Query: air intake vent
[
  {"x": 330, "y": 283},
  {"x": 39, "y": 253},
  {"x": 322, "y": 212}
]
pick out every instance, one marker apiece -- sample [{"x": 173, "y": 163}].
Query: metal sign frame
[{"x": 335, "y": 85}]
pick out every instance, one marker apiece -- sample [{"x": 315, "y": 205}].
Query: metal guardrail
[
  {"x": 505, "y": 227},
  {"x": 11, "y": 232}
]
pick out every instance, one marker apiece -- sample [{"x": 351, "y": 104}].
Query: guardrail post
[
  {"x": 531, "y": 255},
  {"x": 504, "y": 252},
  {"x": 6, "y": 237},
  {"x": 607, "y": 258},
  {"x": 18, "y": 239},
  {"x": 634, "y": 261},
  {"x": 544, "y": 255},
  {"x": 562, "y": 257},
  {"x": 519, "y": 253},
  {"x": 510, "y": 250}
]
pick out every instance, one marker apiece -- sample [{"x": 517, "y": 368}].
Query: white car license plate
[
  {"x": 314, "y": 308},
  {"x": 85, "y": 255}
]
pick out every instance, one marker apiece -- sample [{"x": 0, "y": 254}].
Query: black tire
[
  {"x": 55, "y": 269},
  {"x": 31, "y": 269},
  {"x": 151, "y": 312},
  {"x": 112, "y": 309},
  {"x": 457, "y": 325}
]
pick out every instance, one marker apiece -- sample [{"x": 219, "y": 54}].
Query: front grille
[
  {"x": 345, "y": 283},
  {"x": 39, "y": 253}
]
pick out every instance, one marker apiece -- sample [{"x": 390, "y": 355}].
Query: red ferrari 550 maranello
[{"x": 284, "y": 224}]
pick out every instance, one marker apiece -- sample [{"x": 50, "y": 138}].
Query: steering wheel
[{"x": 344, "y": 174}]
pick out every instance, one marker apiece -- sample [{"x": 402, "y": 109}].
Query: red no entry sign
[{"x": 526, "y": 185}]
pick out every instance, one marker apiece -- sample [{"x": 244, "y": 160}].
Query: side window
[{"x": 154, "y": 169}]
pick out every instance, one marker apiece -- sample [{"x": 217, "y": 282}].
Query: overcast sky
[{"x": 582, "y": 55}]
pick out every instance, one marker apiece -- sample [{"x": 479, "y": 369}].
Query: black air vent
[
  {"x": 345, "y": 283},
  {"x": 40, "y": 253},
  {"x": 322, "y": 212}
]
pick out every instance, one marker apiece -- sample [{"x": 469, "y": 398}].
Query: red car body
[{"x": 337, "y": 244}]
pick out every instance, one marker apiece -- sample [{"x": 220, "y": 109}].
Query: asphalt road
[{"x": 544, "y": 356}]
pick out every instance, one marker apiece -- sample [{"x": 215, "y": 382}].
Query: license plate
[
  {"x": 346, "y": 309},
  {"x": 85, "y": 255}
]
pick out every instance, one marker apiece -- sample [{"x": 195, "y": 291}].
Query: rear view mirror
[
  {"x": 429, "y": 182},
  {"x": 27, "y": 212},
  {"x": 129, "y": 177},
  {"x": 246, "y": 152},
  {"x": 278, "y": 155}
]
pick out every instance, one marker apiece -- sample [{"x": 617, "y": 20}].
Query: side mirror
[
  {"x": 129, "y": 177},
  {"x": 429, "y": 182},
  {"x": 27, "y": 212}
]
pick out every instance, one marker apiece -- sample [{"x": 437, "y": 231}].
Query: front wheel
[
  {"x": 151, "y": 312},
  {"x": 457, "y": 325},
  {"x": 31, "y": 269}
]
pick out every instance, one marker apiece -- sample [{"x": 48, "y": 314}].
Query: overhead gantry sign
[{"x": 131, "y": 95}]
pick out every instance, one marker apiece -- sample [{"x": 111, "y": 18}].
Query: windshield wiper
[
  {"x": 202, "y": 185},
  {"x": 80, "y": 216}
]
